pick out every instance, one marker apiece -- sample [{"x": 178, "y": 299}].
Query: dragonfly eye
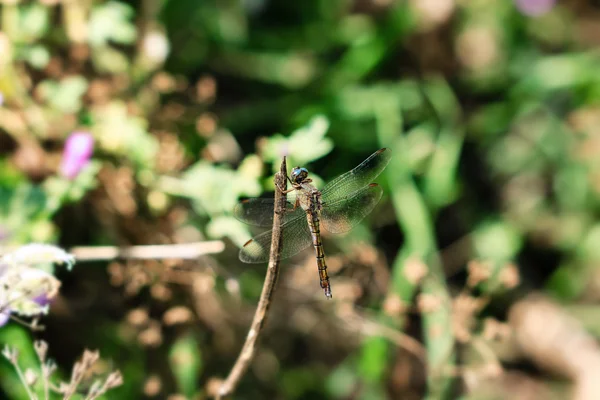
[{"x": 299, "y": 174}]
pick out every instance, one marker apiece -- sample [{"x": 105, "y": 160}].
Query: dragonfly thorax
[{"x": 298, "y": 174}]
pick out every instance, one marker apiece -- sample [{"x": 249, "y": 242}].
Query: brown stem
[{"x": 245, "y": 357}]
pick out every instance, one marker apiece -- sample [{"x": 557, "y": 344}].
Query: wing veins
[{"x": 295, "y": 235}]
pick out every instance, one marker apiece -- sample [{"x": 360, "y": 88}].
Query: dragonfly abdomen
[{"x": 312, "y": 217}]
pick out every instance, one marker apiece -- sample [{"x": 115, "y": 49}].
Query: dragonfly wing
[
  {"x": 345, "y": 213},
  {"x": 296, "y": 237},
  {"x": 259, "y": 211},
  {"x": 358, "y": 178}
]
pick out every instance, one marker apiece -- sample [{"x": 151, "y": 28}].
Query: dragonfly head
[{"x": 299, "y": 174}]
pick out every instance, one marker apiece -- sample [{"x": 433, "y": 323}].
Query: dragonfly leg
[
  {"x": 296, "y": 204},
  {"x": 285, "y": 191},
  {"x": 288, "y": 190}
]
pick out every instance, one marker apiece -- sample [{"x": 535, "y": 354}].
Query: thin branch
[
  {"x": 32, "y": 326},
  {"x": 183, "y": 250},
  {"x": 247, "y": 353},
  {"x": 369, "y": 327},
  {"x": 400, "y": 339}
]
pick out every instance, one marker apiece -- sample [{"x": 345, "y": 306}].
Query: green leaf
[
  {"x": 19, "y": 338},
  {"x": 220, "y": 227},
  {"x": 497, "y": 241},
  {"x": 342, "y": 381},
  {"x": 298, "y": 382},
  {"x": 186, "y": 363},
  {"x": 109, "y": 60},
  {"x": 38, "y": 56},
  {"x": 61, "y": 190},
  {"x": 373, "y": 391},
  {"x": 216, "y": 189},
  {"x": 21, "y": 210},
  {"x": 111, "y": 22},
  {"x": 125, "y": 135},
  {"x": 304, "y": 145},
  {"x": 568, "y": 281},
  {"x": 64, "y": 95},
  {"x": 374, "y": 358},
  {"x": 33, "y": 22}
]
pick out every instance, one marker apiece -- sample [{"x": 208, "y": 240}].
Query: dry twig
[
  {"x": 243, "y": 361},
  {"x": 183, "y": 250},
  {"x": 370, "y": 327}
]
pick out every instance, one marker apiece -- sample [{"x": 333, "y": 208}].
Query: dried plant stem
[
  {"x": 33, "y": 325},
  {"x": 41, "y": 350},
  {"x": 245, "y": 357},
  {"x": 46, "y": 381},
  {"x": 185, "y": 251},
  {"x": 400, "y": 339},
  {"x": 23, "y": 380},
  {"x": 46, "y": 388}
]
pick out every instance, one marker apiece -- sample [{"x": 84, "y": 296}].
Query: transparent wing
[
  {"x": 358, "y": 178},
  {"x": 296, "y": 237},
  {"x": 345, "y": 213},
  {"x": 259, "y": 211}
]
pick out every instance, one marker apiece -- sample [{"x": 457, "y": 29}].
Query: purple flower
[
  {"x": 78, "y": 150},
  {"x": 534, "y": 8},
  {"x": 43, "y": 299},
  {"x": 24, "y": 289}
]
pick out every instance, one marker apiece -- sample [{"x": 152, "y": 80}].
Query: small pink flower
[
  {"x": 77, "y": 153},
  {"x": 534, "y": 8}
]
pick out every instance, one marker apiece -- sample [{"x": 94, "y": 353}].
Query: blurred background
[{"x": 477, "y": 276}]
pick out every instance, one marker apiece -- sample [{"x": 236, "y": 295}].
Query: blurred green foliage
[{"x": 491, "y": 113}]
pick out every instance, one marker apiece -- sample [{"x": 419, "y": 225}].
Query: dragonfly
[{"x": 337, "y": 208}]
